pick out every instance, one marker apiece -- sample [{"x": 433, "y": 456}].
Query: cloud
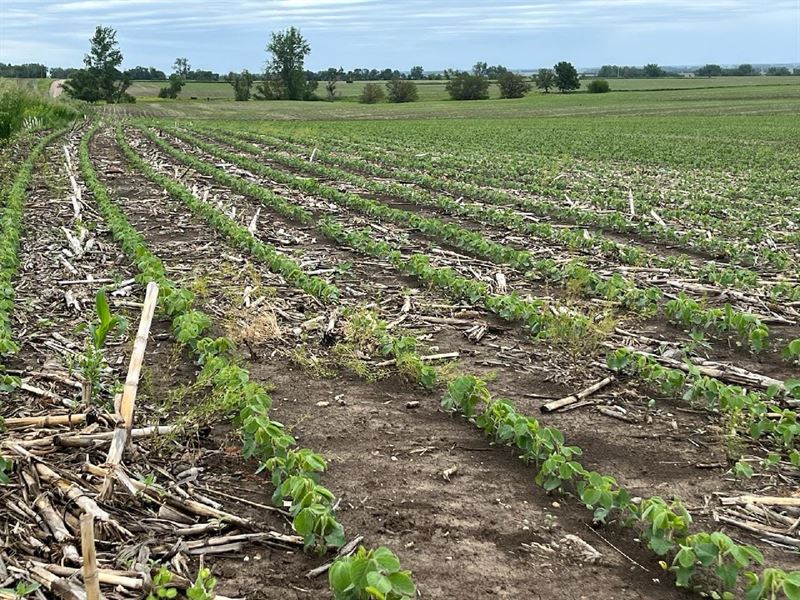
[{"x": 215, "y": 27}]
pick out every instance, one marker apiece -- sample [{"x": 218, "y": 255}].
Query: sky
[{"x": 226, "y": 35}]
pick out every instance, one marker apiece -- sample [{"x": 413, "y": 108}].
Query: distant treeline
[
  {"x": 29, "y": 70},
  {"x": 36, "y": 70},
  {"x": 654, "y": 70},
  {"x": 718, "y": 71}
]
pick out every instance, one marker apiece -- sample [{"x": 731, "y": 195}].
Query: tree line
[
  {"x": 474, "y": 85},
  {"x": 712, "y": 70},
  {"x": 653, "y": 70},
  {"x": 26, "y": 71},
  {"x": 286, "y": 78}
]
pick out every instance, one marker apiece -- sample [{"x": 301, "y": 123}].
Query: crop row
[
  {"x": 709, "y": 271},
  {"x": 446, "y": 180},
  {"x": 709, "y": 195},
  {"x": 664, "y": 526},
  {"x": 495, "y": 157},
  {"x": 533, "y": 314},
  {"x": 606, "y": 186},
  {"x": 295, "y": 471},
  {"x": 228, "y": 227},
  {"x": 10, "y": 235},
  {"x": 757, "y": 415},
  {"x": 575, "y": 276}
]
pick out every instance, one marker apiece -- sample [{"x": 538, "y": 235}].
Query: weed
[
  {"x": 315, "y": 366},
  {"x": 92, "y": 363},
  {"x": 203, "y": 586}
]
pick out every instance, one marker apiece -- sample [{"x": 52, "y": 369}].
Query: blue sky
[{"x": 231, "y": 35}]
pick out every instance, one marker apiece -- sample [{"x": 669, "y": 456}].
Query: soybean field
[{"x": 546, "y": 347}]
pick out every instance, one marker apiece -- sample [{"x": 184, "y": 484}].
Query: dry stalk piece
[
  {"x": 572, "y": 399},
  {"x": 90, "y": 575}
]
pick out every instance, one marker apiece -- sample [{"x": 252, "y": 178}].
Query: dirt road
[{"x": 57, "y": 88}]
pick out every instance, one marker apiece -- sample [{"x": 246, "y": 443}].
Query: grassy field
[
  {"x": 684, "y": 83},
  {"x": 435, "y": 90},
  {"x": 712, "y": 102},
  {"x": 197, "y": 89},
  {"x": 37, "y": 85}
]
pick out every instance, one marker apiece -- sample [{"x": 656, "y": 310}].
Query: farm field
[
  {"x": 435, "y": 90},
  {"x": 509, "y": 341},
  {"x": 734, "y": 101}
]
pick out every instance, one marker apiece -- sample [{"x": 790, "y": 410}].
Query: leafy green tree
[
  {"x": 709, "y": 71},
  {"x": 416, "y": 73},
  {"x": 331, "y": 77},
  {"x": 28, "y": 71},
  {"x": 782, "y": 71},
  {"x": 61, "y": 73},
  {"x": 496, "y": 72},
  {"x": 598, "y": 86},
  {"x": 653, "y": 70},
  {"x": 242, "y": 84},
  {"x": 101, "y": 79},
  {"x": 401, "y": 90},
  {"x": 566, "y": 77},
  {"x": 289, "y": 50},
  {"x": 173, "y": 89},
  {"x": 372, "y": 93},
  {"x": 480, "y": 69},
  {"x": 468, "y": 87},
  {"x": 545, "y": 80},
  {"x": 513, "y": 85},
  {"x": 143, "y": 73},
  {"x": 744, "y": 70},
  {"x": 182, "y": 67}
]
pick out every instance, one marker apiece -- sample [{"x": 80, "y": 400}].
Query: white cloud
[{"x": 357, "y": 23}]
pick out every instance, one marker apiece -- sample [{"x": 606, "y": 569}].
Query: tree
[
  {"x": 173, "y": 89},
  {"x": 145, "y": 73},
  {"x": 744, "y": 70},
  {"x": 653, "y": 70},
  {"x": 598, "y": 86},
  {"x": 182, "y": 67},
  {"x": 468, "y": 87},
  {"x": 781, "y": 71},
  {"x": 101, "y": 79},
  {"x": 241, "y": 82},
  {"x": 28, "y": 71},
  {"x": 202, "y": 75},
  {"x": 176, "y": 80},
  {"x": 372, "y": 93},
  {"x": 513, "y": 85},
  {"x": 416, "y": 73},
  {"x": 288, "y": 49},
  {"x": 401, "y": 90},
  {"x": 496, "y": 72},
  {"x": 545, "y": 79},
  {"x": 480, "y": 69},
  {"x": 64, "y": 73},
  {"x": 331, "y": 77},
  {"x": 709, "y": 71},
  {"x": 566, "y": 77}
]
